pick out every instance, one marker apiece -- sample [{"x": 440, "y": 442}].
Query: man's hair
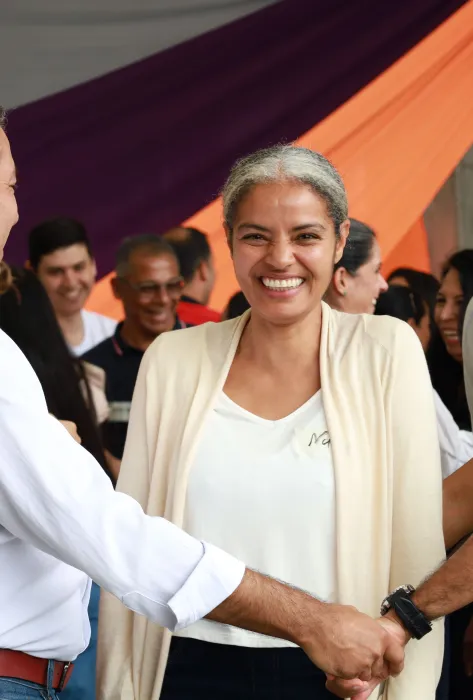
[
  {"x": 191, "y": 249},
  {"x": 3, "y": 117},
  {"x": 49, "y": 236},
  {"x": 148, "y": 243}
]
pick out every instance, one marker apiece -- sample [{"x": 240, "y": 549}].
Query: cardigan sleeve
[
  {"x": 115, "y": 633},
  {"x": 417, "y": 535},
  {"x": 198, "y": 575}
]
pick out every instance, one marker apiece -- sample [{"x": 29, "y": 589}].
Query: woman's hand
[
  {"x": 468, "y": 650},
  {"x": 361, "y": 690},
  {"x": 71, "y": 429}
]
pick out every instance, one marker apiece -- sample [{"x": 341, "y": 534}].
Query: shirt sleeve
[
  {"x": 55, "y": 496},
  {"x": 456, "y": 446},
  {"x": 467, "y": 351}
]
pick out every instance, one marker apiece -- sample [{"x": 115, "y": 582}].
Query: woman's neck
[{"x": 276, "y": 346}]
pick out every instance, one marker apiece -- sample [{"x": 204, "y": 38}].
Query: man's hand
[
  {"x": 392, "y": 664},
  {"x": 338, "y": 639},
  {"x": 350, "y": 645}
]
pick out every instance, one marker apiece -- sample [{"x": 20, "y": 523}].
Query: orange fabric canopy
[{"x": 395, "y": 143}]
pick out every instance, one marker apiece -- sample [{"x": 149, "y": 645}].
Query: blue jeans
[
  {"x": 82, "y": 682},
  {"x": 13, "y": 689}
]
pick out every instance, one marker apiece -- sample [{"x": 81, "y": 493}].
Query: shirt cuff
[{"x": 213, "y": 580}]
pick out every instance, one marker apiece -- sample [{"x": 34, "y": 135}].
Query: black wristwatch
[{"x": 411, "y": 617}]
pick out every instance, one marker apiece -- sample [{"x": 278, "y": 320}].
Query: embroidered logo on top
[{"x": 312, "y": 441}]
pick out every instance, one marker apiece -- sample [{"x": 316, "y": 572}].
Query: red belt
[{"x": 16, "y": 664}]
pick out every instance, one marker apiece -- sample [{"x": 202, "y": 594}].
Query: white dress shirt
[
  {"x": 264, "y": 490},
  {"x": 57, "y": 505},
  {"x": 456, "y": 446},
  {"x": 467, "y": 352}
]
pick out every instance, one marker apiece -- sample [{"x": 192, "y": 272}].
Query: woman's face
[
  {"x": 363, "y": 289},
  {"x": 448, "y": 309},
  {"x": 284, "y": 249}
]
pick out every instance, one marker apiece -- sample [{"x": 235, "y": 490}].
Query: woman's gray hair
[{"x": 286, "y": 163}]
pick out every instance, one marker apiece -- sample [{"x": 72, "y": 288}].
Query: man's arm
[
  {"x": 55, "y": 496},
  {"x": 337, "y": 638},
  {"x": 450, "y": 588},
  {"x": 458, "y": 505}
]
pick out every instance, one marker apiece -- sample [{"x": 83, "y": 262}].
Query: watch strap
[
  {"x": 412, "y": 618},
  {"x": 407, "y": 611}
]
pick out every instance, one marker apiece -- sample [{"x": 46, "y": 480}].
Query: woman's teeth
[{"x": 291, "y": 283}]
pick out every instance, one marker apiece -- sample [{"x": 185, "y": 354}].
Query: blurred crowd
[{"x": 88, "y": 364}]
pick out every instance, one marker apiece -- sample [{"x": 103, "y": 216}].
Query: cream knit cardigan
[{"x": 380, "y": 414}]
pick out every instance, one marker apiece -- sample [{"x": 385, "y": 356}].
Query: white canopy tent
[{"x": 50, "y": 45}]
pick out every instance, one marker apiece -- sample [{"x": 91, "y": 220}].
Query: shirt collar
[
  {"x": 190, "y": 300},
  {"x": 121, "y": 346}
]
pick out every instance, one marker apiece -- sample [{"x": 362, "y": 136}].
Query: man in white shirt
[
  {"x": 61, "y": 256},
  {"x": 59, "y": 516}
]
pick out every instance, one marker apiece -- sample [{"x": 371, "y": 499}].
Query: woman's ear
[
  {"x": 229, "y": 235},
  {"x": 341, "y": 240},
  {"x": 339, "y": 281}
]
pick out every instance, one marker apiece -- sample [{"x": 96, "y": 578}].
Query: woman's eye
[
  {"x": 253, "y": 237},
  {"x": 308, "y": 237}
]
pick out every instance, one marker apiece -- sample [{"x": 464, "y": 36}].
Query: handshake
[{"x": 356, "y": 652}]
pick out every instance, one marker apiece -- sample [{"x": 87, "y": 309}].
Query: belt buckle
[{"x": 63, "y": 676}]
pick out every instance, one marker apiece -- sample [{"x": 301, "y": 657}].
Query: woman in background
[
  {"x": 446, "y": 368},
  {"x": 423, "y": 283},
  {"x": 445, "y": 353},
  {"x": 26, "y": 315},
  {"x": 357, "y": 280},
  {"x": 456, "y": 446}
]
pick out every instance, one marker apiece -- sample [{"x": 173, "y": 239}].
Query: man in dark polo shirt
[
  {"x": 149, "y": 284},
  {"x": 195, "y": 261}
]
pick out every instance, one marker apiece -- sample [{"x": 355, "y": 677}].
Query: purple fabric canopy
[{"x": 144, "y": 147}]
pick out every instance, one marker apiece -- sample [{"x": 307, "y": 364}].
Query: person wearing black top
[{"x": 149, "y": 284}]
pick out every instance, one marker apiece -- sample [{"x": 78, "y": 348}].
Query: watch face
[{"x": 386, "y": 605}]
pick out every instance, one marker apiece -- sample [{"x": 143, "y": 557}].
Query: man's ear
[
  {"x": 203, "y": 270},
  {"x": 94, "y": 267},
  {"x": 115, "y": 284},
  {"x": 340, "y": 281}
]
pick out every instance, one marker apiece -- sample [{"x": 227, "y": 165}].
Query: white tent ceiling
[{"x": 49, "y": 45}]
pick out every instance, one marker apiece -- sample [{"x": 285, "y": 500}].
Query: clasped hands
[{"x": 394, "y": 638}]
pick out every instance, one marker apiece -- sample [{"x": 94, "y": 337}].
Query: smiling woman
[
  {"x": 243, "y": 462},
  {"x": 357, "y": 281},
  {"x": 445, "y": 355}
]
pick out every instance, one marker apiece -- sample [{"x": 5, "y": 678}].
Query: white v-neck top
[{"x": 264, "y": 491}]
